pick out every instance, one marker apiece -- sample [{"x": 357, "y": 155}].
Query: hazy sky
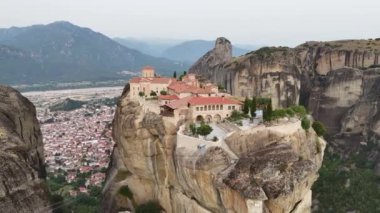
[{"x": 270, "y": 22}]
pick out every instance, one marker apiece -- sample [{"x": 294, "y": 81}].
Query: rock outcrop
[
  {"x": 286, "y": 74},
  {"x": 22, "y": 169},
  {"x": 338, "y": 81},
  {"x": 274, "y": 171}
]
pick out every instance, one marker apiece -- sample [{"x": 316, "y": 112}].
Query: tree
[
  {"x": 181, "y": 76},
  {"x": 141, "y": 94},
  {"x": 268, "y": 112},
  {"x": 149, "y": 207},
  {"x": 193, "y": 129},
  {"x": 319, "y": 128},
  {"x": 305, "y": 123},
  {"x": 153, "y": 93},
  {"x": 95, "y": 191},
  {"x": 175, "y": 74},
  {"x": 56, "y": 202},
  {"x": 204, "y": 129},
  {"x": 163, "y": 92},
  {"x": 246, "y": 106},
  {"x": 253, "y": 107}
]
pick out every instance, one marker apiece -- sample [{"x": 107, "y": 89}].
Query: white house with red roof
[{"x": 198, "y": 108}]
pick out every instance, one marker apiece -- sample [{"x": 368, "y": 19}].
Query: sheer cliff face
[
  {"x": 22, "y": 170},
  {"x": 274, "y": 171},
  {"x": 285, "y": 74}
]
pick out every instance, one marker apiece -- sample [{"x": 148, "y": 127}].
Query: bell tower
[{"x": 147, "y": 72}]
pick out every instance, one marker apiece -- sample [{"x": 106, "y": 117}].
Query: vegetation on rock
[
  {"x": 204, "y": 129},
  {"x": 305, "y": 123},
  {"x": 347, "y": 185},
  {"x": 253, "y": 107},
  {"x": 319, "y": 128},
  {"x": 67, "y": 105}
]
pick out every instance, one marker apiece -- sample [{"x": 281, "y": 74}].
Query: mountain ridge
[
  {"x": 185, "y": 51},
  {"x": 66, "y": 52}
]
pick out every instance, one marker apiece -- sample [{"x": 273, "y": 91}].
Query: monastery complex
[{"x": 184, "y": 98}]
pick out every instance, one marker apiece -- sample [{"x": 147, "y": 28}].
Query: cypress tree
[
  {"x": 253, "y": 107},
  {"x": 175, "y": 74},
  {"x": 246, "y": 106},
  {"x": 269, "y": 110}
]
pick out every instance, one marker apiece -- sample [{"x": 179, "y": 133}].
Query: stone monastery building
[{"x": 185, "y": 98}]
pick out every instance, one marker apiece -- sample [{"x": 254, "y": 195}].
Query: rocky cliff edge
[
  {"x": 22, "y": 170},
  {"x": 274, "y": 170}
]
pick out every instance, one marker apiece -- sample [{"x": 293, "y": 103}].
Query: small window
[
  {"x": 213, "y": 107},
  {"x": 217, "y": 107},
  {"x": 229, "y": 107},
  {"x": 209, "y": 107},
  {"x": 221, "y": 107},
  {"x": 197, "y": 108},
  {"x": 233, "y": 107}
]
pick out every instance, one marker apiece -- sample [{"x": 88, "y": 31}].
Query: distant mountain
[
  {"x": 191, "y": 51},
  {"x": 62, "y": 51},
  {"x": 188, "y": 51},
  {"x": 149, "y": 47}
]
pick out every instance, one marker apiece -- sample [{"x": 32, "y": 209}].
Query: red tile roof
[
  {"x": 183, "y": 102},
  {"x": 168, "y": 97},
  {"x": 212, "y": 100}
]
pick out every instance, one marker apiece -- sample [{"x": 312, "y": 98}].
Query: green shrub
[
  {"x": 290, "y": 112},
  {"x": 236, "y": 115},
  {"x": 149, "y": 207},
  {"x": 204, "y": 129},
  {"x": 163, "y": 92},
  {"x": 125, "y": 191},
  {"x": 305, "y": 123},
  {"x": 279, "y": 113},
  {"x": 299, "y": 110},
  {"x": 153, "y": 93},
  {"x": 193, "y": 129},
  {"x": 215, "y": 139},
  {"x": 319, "y": 128},
  {"x": 141, "y": 94}
]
